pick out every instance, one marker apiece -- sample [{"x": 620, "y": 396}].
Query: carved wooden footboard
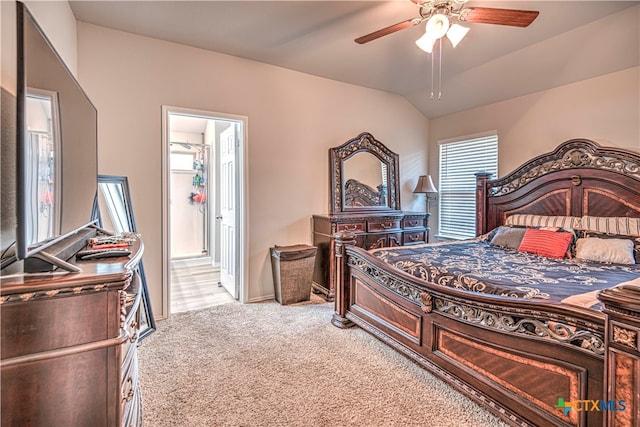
[{"x": 516, "y": 358}]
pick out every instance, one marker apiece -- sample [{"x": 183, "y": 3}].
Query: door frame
[{"x": 242, "y": 198}]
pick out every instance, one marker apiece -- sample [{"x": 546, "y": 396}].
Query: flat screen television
[{"x": 56, "y": 145}]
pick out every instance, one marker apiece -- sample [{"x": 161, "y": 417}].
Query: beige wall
[
  {"x": 605, "y": 109},
  {"x": 59, "y": 24},
  {"x": 294, "y": 118},
  {"x": 8, "y": 48}
]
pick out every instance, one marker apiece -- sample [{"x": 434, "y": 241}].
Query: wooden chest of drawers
[
  {"x": 372, "y": 231},
  {"x": 69, "y": 355}
]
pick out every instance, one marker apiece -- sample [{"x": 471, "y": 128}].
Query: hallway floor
[{"x": 195, "y": 286}]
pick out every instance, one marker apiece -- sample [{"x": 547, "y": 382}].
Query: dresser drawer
[
  {"x": 129, "y": 388},
  {"x": 383, "y": 240},
  {"x": 131, "y": 326},
  {"x": 386, "y": 225},
  {"x": 354, "y": 227},
  {"x": 375, "y": 241},
  {"x": 412, "y": 223},
  {"x": 135, "y": 415},
  {"x": 414, "y": 237},
  {"x": 394, "y": 239}
]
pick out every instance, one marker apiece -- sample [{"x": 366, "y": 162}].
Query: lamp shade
[
  {"x": 426, "y": 43},
  {"x": 425, "y": 185},
  {"x": 456, "y": 33}
]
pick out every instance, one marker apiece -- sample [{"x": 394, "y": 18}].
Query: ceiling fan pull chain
[
  {"x": 439, "y": 68},
  {"x": 433, "y": 58}
]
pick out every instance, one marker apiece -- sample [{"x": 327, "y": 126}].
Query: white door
[{"x": 228, "y": 276}]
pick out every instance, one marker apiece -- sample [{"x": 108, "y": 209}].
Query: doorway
[{"x": 203, "y": 205}]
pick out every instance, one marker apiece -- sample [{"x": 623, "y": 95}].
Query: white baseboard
[{"x": 262, "y": 298}]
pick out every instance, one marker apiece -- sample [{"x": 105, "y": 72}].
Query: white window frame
[{"x": 459, "y": 159}]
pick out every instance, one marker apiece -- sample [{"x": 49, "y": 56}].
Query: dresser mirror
[
  {"x": 364, "y": 176},
  {"x": 114, "y": 213}
]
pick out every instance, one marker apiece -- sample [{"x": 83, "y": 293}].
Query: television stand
[
  {"x": 53, "y": 261},
  {"x": 49, "y": 259},
  {"x": 57, "y": 255},
  {"x": 9, "y": 257}
]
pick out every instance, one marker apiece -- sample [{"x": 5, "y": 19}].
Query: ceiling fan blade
[
  {"x": 489, "y": 15},
  {"x": 388, "y": 30}
]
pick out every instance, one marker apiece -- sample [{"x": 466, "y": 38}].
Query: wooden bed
[
  {"x": 516, "y": 357},
  {"x": 359, "y": 194}
]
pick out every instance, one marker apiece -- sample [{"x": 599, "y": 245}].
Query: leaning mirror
[
  {"x": 364, "y": 176},
  {"x": 115, "y": 213}
]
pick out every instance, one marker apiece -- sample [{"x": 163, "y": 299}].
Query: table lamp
[{"x": 425, "y": 185}]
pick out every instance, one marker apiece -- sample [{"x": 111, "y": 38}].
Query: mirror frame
[
  {"x": 147, "y": 321},
  {"x": 365, "y": 142}
]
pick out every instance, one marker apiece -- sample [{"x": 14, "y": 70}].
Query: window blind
[{"x": 459, "y": 162}]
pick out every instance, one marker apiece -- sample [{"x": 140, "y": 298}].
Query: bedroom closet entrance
[{"x": 202, "y": 204}]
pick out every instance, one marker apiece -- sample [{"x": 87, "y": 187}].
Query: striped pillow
[
  {"x": 551, "y": 244},
  {"x": 529, "y": 220},
  {"x": 622, "y": 226}
]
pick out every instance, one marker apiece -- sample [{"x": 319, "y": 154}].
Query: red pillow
[{"x": 552, "y": 244}]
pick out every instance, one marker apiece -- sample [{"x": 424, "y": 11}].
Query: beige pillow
[
  {"x": 507, "y": 237},
  {"x": 615, "y": 251}
]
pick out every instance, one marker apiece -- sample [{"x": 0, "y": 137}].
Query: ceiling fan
[
  {"x": 439, "y": 13},
  {"x": 442, "y": 17}
]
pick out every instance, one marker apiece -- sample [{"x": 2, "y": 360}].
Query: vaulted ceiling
[{"x": 569, "y": 41}]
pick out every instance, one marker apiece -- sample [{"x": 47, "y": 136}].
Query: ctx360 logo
[{"x": 590, "y": 405}]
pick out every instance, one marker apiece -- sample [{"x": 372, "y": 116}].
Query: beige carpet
[{"x": 270, "y": 365}]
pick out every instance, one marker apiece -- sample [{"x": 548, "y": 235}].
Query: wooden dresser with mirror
[
  {"x": 69, "y": 345},
  {"x": 364, "y": 199}
]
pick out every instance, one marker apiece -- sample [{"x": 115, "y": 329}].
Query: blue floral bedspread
[{"x": 475, "y": 265}]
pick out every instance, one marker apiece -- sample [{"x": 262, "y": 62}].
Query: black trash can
[{"x": 292, "y": 272}]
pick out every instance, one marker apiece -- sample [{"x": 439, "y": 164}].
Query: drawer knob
[
  {"x": 134, "y": 325},
  {"x": 129, "y": 395}
]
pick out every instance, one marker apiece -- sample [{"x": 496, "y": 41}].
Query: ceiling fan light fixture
[
  {"x": 426, "y": 42},
  {"x": 456, "y": 33},
  {"x": 437, "y": 26}
]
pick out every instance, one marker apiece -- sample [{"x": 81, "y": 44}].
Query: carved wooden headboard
[
  {"x": 578, "y": 178},
  {"x": 358, "y": 194}
]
